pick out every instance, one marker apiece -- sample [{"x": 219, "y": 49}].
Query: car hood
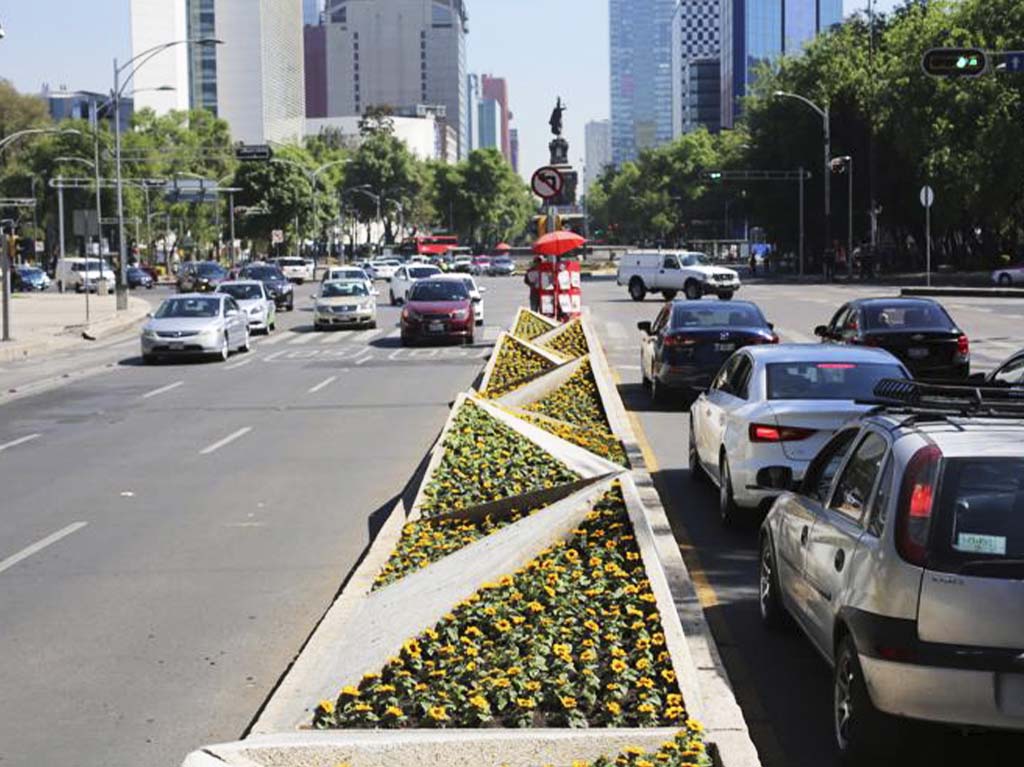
[
  {"x": 438, "y": 307},
  {"x": 342, "y": 300},
  {"x": 187, "y": 324},
  {"x": 712, "y": 271},
  {"x": 251, "y": 303}
]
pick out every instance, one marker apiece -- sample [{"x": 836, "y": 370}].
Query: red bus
[{"x": 429, "y": 245}]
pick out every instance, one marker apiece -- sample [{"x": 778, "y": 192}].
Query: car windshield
[
  {"x": 243, "y": 292},
  {"x": 708, "y": 315},
  {"x": 827, "y": 380},
  {"x": 344, "y": 289},
  {"x": 439, "y": 290},
  {"x": 210, "y": 270},
  {"x": 420, "y": 272},
  {"x": 188, "y": 307},
  {"x": 291, "y": 262},
  {"x": 348, "y": 274},
  {"x": 695, "y": 259},
  {"x": 906, "y": 316},
  {"x": 86, "y": 266},
  {"x": 980, "y": 514},
  {"x": 264, "y": 273},
  {"x": 29, "y": 271},
  {"x": 503, "y": 260}
]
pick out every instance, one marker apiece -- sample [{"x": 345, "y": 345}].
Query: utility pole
[{"x": 802, "y": 220}]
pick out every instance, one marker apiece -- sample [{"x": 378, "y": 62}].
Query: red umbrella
[
  {"x": 558, "y": 243},
  {"x": 502, "y": 247}
]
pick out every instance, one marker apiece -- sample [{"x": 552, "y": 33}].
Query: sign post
[{"x": 927, "y": 200}]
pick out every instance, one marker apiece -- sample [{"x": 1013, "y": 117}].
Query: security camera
[{"x": 3, "y": 33}]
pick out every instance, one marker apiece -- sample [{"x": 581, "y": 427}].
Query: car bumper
[
  {"x": 183, "y": 347},
  {"x": 962, "y": 697},
  {"x": 750, "y": 476},
  {"x": 687, "y": 376},
  {"x": 258, "y": 323},
  {"x": 452, "y": 332},
  {"x": 720, "y": 288},
  {"x": 341, "y": 320},
  {"x": 282, "y": 299}
]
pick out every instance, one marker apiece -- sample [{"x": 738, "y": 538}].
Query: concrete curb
[{"x": 965, "y": 292}]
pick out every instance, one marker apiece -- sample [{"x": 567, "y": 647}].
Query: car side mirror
[
  {"x": 644, "y": 326},
  {"x": 821, "y": 331}
]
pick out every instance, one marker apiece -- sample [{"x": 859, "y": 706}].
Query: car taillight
[
  {"x": 963, "y": 346},
  {"x": 680, "y": 341},
  {"x": 916, "y": 503},
  {"x": 760, "y": 432},
  {"x": 869, "y": 341}
]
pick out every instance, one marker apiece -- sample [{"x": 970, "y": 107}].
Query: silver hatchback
[{"x": 901, "y": 557}]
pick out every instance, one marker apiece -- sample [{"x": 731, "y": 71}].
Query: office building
[
  {"x": 472, "y": 108},
  {"x": 598, "y": 141},
  {"x": 513, "y": 140},
  {"x": 758, "y": 31},
  {"x": 315, "y": 57},
  {"x": 424, "y": 136},
  {"x": 84, "y": 105},
  {"x": 398, "y": 53},
  {"x": 641, "y": 75},
  {"x": 489, "y": 122},
  {"x": 497, "y": 88},
  {"x": 696, "y": 48},
  {"x": 255, "y": 80}
]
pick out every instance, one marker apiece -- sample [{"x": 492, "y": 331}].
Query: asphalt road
[
  {"x": 782, "y": 684},
  {"x": 169, "y": 536}
]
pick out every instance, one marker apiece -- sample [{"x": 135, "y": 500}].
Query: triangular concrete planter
[
  {"x": 554, "y": 333},
  {"x": 522, "y": 313},
  {"x": 507, "y": 338}
]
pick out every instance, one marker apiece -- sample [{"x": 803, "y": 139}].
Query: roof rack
[{"x": 919, "y": 398}]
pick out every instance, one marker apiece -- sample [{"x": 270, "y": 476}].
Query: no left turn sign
[{"x": 547, "y": 183}]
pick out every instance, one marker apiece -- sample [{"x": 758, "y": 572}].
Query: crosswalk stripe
[
  {"x": 334, "y": 338},
  {"x": 302, "y": 338},
  {"x": 616, "y": 330},
  {"x": 270, "y": 340},
  {"x": 366, "y": 335}
]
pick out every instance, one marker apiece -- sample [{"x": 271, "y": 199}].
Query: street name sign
[
  {"x": 547, "y": 183},
  {"x": 253, "y": 153}
]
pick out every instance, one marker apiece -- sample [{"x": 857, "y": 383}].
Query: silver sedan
[{"x": 195, "y": 324}]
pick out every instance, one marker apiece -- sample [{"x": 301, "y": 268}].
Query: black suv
[{"x": 273, "y": 279}]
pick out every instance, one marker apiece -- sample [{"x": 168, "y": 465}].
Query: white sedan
[
  {"x": 771, "y": 409},
  {"x": 254, "y": 301},
  {"x": 476, "y": 292},
  {"x": 384, "y": 269},
  {"x": 405, "y": 276},
  {"x": 1008, "y": 277}
]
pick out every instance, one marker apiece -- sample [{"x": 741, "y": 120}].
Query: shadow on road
[{"x": 638, "y": 400}]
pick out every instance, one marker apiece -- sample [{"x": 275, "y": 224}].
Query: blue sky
[{"x": 73, "y": 43}]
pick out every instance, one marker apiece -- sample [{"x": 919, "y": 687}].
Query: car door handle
[
  {"x": 803, "y": 537},
  {"x": 840, "y": 560}
]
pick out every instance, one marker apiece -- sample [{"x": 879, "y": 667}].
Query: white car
[
  {"x": 669, "y": 272},
  {"x": 296, "y": 269},
  {"x": 77, "y": 273},
  {"x": 384, "y": 269},
  {"x": 405, "y": 276},
  {"x": 476, "y": 292},
  {"x": 1008, "y": 277},
  {"x": 254, "y": 301},
  {"x": 771, "y": 409},
  {"x": 345, "y": 303},
  {"x": 334, "y": 273}
]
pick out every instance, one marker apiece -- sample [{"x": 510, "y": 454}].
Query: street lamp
[
  {"x": 826, "y": 125},
  {"x": 841, "y": 165},
  {"x": 131, "y": 67},
  {"x": 99, "y": 216}
]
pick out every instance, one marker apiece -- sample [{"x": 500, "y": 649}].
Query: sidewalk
[{"x": 47, "y": 322}]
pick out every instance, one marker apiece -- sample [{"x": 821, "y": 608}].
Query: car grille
[
  {"x": 177, "y": 333},
  {"x": 344, "y": 309},
  {"x": 722, "y": 277},
  {"x": 436, "y": 317}
]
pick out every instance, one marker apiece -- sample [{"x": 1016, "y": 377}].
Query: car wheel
[
  {"x": 727, "y": 509},
  {"x": 696, "y": 470},
  {"x": 225, "y": 350},
  {"x": 317, "y": 327},
  {"x": 291, "y": 304},
  {"x": 406, "y": 341},
  {"x": 1005, "y": 280},
  {"x": 862, "y": 732},
  {"x": 668, "y": 295},
  {"x": 637, "y": 291},
  {"x": 692, "y": 290},
  {"x": 726, "y": 296},
  {"x": 773, "y": 612},
  {"x": 271, "y": 328},
  {"x": 391, "y": 295}
]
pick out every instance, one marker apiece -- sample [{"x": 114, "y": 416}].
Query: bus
[{"x": 429, "y": 245}]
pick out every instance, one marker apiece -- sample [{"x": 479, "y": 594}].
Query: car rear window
[
  {"x": 716, "y": 316},
  {"x": 291, "y": 262},
  {"x": 980, "y": 517},
  {"x": 439, "y": 290},
  {"x": 827, "y": 380},
  {"x": 902, "y": 315}
]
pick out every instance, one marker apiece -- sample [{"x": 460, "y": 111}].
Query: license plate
[
  {"x": 177, "y": 345},
  {"x": 917, "y": 354},
  {"x": 725, "y": 347},
  {"x": 1011, "y": 693},
  {"x": 435, "y": 327}
]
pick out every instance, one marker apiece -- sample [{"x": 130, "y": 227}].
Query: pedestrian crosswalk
[{"x": 304, "y": 337}]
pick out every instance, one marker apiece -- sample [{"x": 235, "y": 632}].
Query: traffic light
[
  {"x": 714, "y": 176},
  {"x": 955, "y": 62}
]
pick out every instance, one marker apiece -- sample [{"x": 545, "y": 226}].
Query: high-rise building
[
  {"x": 398, "y": 53},
  {"x": 598, "y": 140},
  {"x": 757, "y": 31},
  {"x": 696, "y": 48},
  {"x": 311, "y": 10},
  {"x": 315, "y": 56},
  {"x": 641, "y": 75},
  {"x": 497, "y": 88},
  {"x": 513, "y": 140},
  {"x": 86, "y": 105},
  {"x": 489, "y": 122},
  {"x": 472, "y": 108},
  {"x": 255, "y": 80}
]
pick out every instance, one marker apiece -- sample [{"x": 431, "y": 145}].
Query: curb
[{"x": 965, "y": 292}]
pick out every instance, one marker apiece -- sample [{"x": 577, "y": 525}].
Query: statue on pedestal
[{"x": 556, "y": 118}]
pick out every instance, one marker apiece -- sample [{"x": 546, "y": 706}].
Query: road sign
[
  {"x": 277, "y": 236},
  {"x": 1013, "y": 61},
  {"x": 547, "y": 183},
  {"x": 955, "y": 62},
  {"x": 253, "y": 153},
  {"x": 927, "y": 196}
]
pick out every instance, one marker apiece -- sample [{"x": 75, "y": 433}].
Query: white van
[
  {"x": 295, "y": 269},
  {"x": 669, "y": 272},
  {"x": 76, "y": 273}
]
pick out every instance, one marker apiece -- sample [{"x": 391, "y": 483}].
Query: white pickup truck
[{"x": 671, "y": 272}]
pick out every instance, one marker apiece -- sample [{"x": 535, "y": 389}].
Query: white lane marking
[
  {"x": 302, "y": 338},
  {"x": 491, "y": 333},
  {"x": 226, "y": 441},
  {"x": 237, "y": 365},
  {"x": 163, "y": 390},
  {"x": 275, "y": 355},
  {"x": 19, "y": 441},
  {"x": 367, "y": 335},
  {"x": 628, "y": 367},
  {"x": 334, "y": 338},
  {"x": 323, "y": 385},
  {"x": 616, "y": 331},
  {"x": 364, "y": 360},
  {"x": 38, "y": 546},
  {"x": 272, "y": 339}
]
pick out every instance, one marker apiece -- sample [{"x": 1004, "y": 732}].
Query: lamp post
[
  {"x": 826, "y": 126},
  {"x": 840, "y": 165},
  {"x": 127, "y": 72},
  {"x": 99, "y": 216}
]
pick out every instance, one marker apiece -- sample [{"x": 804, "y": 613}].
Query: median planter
[
  {"x": 528, "y": 324},
  {"x": 568, "y": 341},
  {"x": 514, "y": 363}
]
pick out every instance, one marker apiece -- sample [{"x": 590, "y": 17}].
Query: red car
[{"x": 440, "y": 310}]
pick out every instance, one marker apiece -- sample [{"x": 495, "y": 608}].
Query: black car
[
  {"x": 273, "y": 279},
  {"x": 690, "y": 341},
  {"x": 137, "y": 278},
  {"x": 29, "y": 279},
  {"x": 918, "y": 331},
  {"x": 200, "y": 276}
]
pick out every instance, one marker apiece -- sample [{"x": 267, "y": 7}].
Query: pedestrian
[
  {"x": 753, "y": 263},
  {"x": 532, "y": 281},
  {"x": 829, "y": 264}
]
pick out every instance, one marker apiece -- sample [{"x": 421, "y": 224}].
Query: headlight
[
  {"x": 255, "y": 311},
  {"x": 460, "y": 314},
  {"x": 409, "y": 314},
  {"x": 149, "y": 333},
  {"x": 286, "y": 288}
]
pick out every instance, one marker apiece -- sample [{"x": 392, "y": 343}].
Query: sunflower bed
[
  {"x": 516, "y": 364},
  {"x": 686, "y": 749},
  {"x": 597, "y": 441},
  {"x": 484, "y": 461},
  {"x": 574, "y": 639},
  {"x": 576, "y": 401}
]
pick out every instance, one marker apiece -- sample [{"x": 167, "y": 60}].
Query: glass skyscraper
[
  {"x": 755, "y": 31},
  {"x": 641, "y": 75}
]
